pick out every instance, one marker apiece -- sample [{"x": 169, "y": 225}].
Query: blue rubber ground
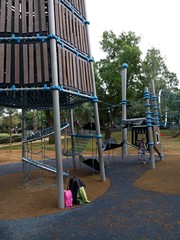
[{"x": 123, "y": 212}]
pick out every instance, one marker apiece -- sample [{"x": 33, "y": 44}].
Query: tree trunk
[
  {"x": 107, "y": 133},
  {"x": 49, "y": 122}
]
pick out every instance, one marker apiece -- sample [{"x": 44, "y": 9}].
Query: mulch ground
[
  {"x": 165, "y": 179},
  {"x": 39, "y": 196}
]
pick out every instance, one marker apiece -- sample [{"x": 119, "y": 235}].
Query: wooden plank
[
  {"x": 61, "y": 20},
  {"x": 23, "y": 20},
  {"x": 80, "y": 36},
  {"x": 74, "y": 30},
  {"x": 64, "y": 67},
  {"x": 36, "y": 17},
  {"x": 30, "y": 16},
  {"x": 77, "y": 33},
  {"x": 9, "y": 16},
  {"x": 60, "y": 66},
  {"x": 71, "y": 28},
  {"x": 25, "y": 64},
  {"x": 82, "y": 75},
  {"x": 2, "y": 63},
  {"x": 84, "y": 38},
  {"x": 38, "y": 63},
  {"x": 17, "y": 64},
  {"x": 16, "y": 16},
  {"x": 75, "y": 71},
  {"x": 90, "y": 78},
  {"x": 31, "y": 63},
  {"x": 73, "y": 2},
  {"x": 8, "y": 64},
  {"x": 45, "y": 62},
  {"x": 83, "y": 8},
  {"x": 79, "y": 6},
  {"x": 68, "y": 69},
  {"x": 86, "y": 76},
  {"x": 78, "y": 74},
  {"x": 71, "y": 69},
  {"x": 63, "y": 23},
  {"x": 87, "y": 51},
  {"x": 43, "y": 16},
  {"x": 84, "y": 46},
  {"x": 57, "y": 18},
  {"x": 2, "y": 16},
  {"x": 67, "y": 25}
]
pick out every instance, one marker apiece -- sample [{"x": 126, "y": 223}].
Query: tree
[
  {"x": 9, "y": 113},
  {"x": 154, "y": 68},
  {"x": 125, "y": 49},
  {"x": 119, "y": 50}
]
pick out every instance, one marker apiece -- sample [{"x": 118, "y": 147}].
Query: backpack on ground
[
  {"x": 74, "y": 185},
  {"x": 83, "y": 195},
  {"x": 68, "y": 199}
]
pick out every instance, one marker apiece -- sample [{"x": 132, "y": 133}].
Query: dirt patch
[
  {"x": 39, "y": 196},
  {"x": 165, "y": 179},
  {"x": 7, "y": 156}
]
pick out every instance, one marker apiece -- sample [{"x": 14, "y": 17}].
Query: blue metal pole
[
  {"x": 97, "y": 124},
  {"x": 149, "y": 126},
  {"x": 56, "y": 107},
  {"x": 124, "y": 112}
]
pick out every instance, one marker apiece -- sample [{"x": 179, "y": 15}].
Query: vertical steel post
[
  {"x": 24, "y": 134},
  {"x": 56, "y": 107},
  {"x": 124, "y": 113},
  {"x": 96, "y": 116},
  {"x": 72, "y": 137},
  {"x": 149, "y": 126},
  {"x": 154, "y": 103},
  {"x": 156, "y": 115}
]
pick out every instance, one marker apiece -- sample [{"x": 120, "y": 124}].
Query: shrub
[{"x": 4, "y": 140}]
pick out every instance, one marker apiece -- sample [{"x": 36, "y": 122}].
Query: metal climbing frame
[
  {"x": 41, "y": 154},
  {"x": 46, "y": 62}
]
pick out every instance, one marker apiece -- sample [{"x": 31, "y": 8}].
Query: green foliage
[
  {"x": 83, "y": 115},
  {"x": 5, "y": 139},
  {"x": 10, "y": 119},
  {"x": 125, "y": 49},
  {"x": 119, "y": 50},
  {"x": 154, "y": 68},
  {"x": 35, "y": 120}
]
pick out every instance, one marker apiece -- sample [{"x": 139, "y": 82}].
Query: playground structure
[
  {"x": 150, "y": 130},
  {"x": 46, "y": 64}
]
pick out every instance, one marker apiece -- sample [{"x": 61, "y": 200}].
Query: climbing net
[{"x": 41, "y": 98}]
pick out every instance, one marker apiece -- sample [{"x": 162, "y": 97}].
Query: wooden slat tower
[
  {"x": 24, "y": 44},
  {"x": 45, "y": 61}
]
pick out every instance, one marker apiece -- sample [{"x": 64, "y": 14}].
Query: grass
[{"x": 167, "y": 140}]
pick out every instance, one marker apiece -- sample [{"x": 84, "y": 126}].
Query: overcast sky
[{"x": 155, "y": 21}]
